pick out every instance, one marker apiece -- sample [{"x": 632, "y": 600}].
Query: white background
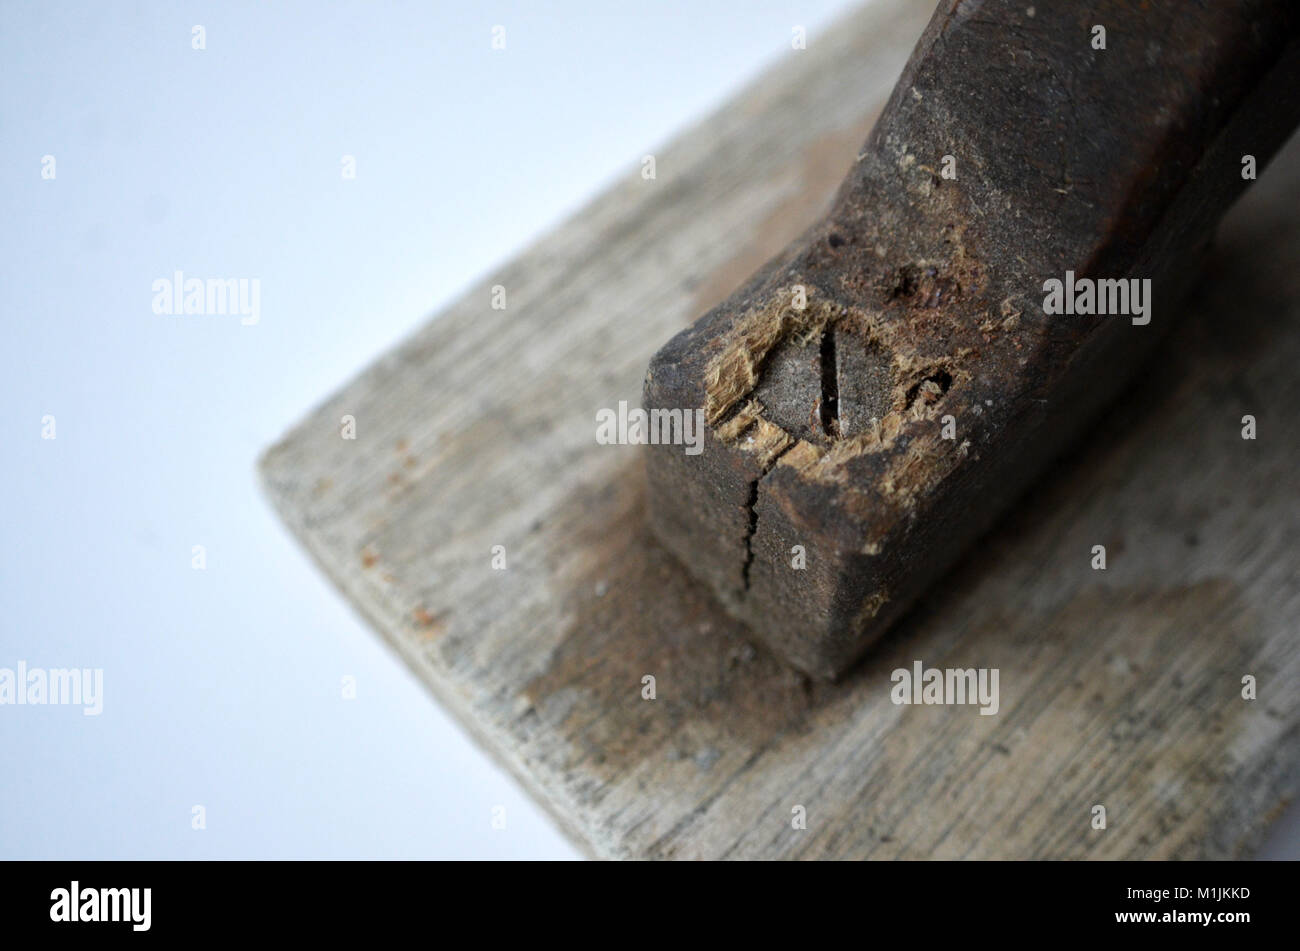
[{"x": 222, "y": 687}]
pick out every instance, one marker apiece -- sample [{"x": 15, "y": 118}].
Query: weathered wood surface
[{"x": 1118, "y": 687}]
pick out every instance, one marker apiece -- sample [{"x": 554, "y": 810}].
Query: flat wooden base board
[{"x": 1120, "y": 688}]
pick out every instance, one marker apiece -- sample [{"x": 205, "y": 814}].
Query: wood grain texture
[{"x": 1118, "y": 687}]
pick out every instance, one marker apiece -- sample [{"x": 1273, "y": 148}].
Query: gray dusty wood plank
[{"x": 1119, "y": 687}]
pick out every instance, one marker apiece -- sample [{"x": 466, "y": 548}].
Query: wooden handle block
[{"x": 1014, "y": 238}]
